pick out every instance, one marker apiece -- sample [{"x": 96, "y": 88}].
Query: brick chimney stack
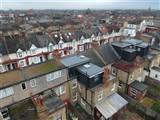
[
  {"x": 57, "y": 55},
  {"x": 106, "y": 76},
  {"x": 94, "y": 44}
]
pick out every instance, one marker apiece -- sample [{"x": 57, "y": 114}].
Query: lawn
[
  {"x": 128, "y": 115},
  {"x": 148, "y": 102}
]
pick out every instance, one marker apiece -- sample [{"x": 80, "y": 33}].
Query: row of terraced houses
[{"x": 47, "y": 76}]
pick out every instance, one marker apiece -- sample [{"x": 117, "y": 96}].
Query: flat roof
[
  {"x": 143, "y": 45},
  {"x": 139, "y": 86},
  {"x": 121, "y": 44},
  {"x": 110, "y": 105},
  {"x": 156, "y": 68},
  {"x": 130, "y": 50},
  {"x": 73, "y": 61},
  {"x": 132, "y": 41},
  {"x": 53, "y": 102},
  {"x": 90, "y": 70}
]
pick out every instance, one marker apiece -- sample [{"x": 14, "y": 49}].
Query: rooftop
[
  {"x": 121, "y": 44},
  {"x": 132, "y": 41},
  {"x": 139, "y": 86},
  {"x": 143, "y": 45},
  {"x": 15, "y": 76},
  {"x": 130, "y": 50},
  {"x": 53, "y": 102},
  {"x": 90, "y": 70},
  {"x": 125, "y": 66},
  {"x": 156, "y": 68},
  {"x": 75, "y": 60},
  {"x": 110, "y": 105}
]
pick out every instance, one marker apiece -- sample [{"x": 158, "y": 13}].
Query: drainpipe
[{"x": 127, "y": 84}]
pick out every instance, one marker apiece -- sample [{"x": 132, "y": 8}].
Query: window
[
  {"x": 138, "y": 49},
  {"x": 113, "y": 71},
  {"x": 74, "y": 98},
  {"x": 58, "y": 116},
  {"x": 156, "y": 76},
  {"x": 21, "y": 63},
  {"x": 132, "y": 76},
  {"x": 79, "y": 86},
  {"x": 62, "y": 89},
  {"x": 1, "y": 68},
  {"x": 74, "y": 84},
  {"x": 81, "y": 48},
  {"x": 82, "y": 102},
  {"x": 114, "y": 87},
  {"x": 96, "y": 78},
  {"x": 6, "y": 92},
  {"x": 19, "y": 54},
  {"x": 133, "y": 91},
  {"x": 100, "y": 95},
  {"x": 50, "y": 48},
  {"x": 23, "y": 86},
  {"x": 33, "y": 51},
  {"x": 5, "y": 114},
  {"x": 55, "y": 75},
  {"x": 50, "y": 77},
  {"x": 33, "y": 83},
  {"x": 120, "y": 84}
]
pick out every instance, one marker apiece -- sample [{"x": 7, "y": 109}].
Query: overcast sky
[{"x": 80, "y": 4}]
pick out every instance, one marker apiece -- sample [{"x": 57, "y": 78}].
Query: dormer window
[
  {"x": 50, "y": 48},
  {"x": 19, "y": 54},
  {"x": 33, "y": 51},
  {"x": 96, "y": 78}
]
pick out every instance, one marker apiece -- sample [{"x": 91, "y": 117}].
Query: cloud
[{"x": 80, "y": 4}]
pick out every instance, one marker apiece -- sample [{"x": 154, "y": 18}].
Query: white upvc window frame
[
  {"x": 6, "y": 92},
  {"x": 62, "y": 89},
  {"x": 74, "y": 84},
  {"x": 100, "y": 95},
  {"x": 33, "y": 83},
  {"x": 75, "y": 97},
  {"x": 82, "y": 102},
  {"x": 133, "y": 91}
]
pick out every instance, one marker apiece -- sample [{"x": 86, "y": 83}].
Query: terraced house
[
  {"x": 19, "y": 49},
  {"x": 95, "y": 85},
  {"x": 38, "y": 90}
]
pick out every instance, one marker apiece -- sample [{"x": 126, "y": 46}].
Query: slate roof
[
  {"x": 139, "y": 86},
  {"x": 108, "y": 53},
  {"x": 121, "y": 44},
  {"x": 101, "y": 56},
  {"x": 132, "y": 41},
  {"x": 94, "y": 58},
  {"x": 125, "y": 66}
]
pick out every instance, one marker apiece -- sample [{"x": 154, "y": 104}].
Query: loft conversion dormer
[
  {"x": 90, "y": 75},
  {"x": 72, "y": 62}
]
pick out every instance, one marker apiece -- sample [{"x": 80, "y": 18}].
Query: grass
[
  {"x": 156, "y": 106},
  {"x": 43, "y": 68},
  {"x": 148, "y": 102},
  {"x": 130, "y": 115},
  {"x": 154, "y": 88}
]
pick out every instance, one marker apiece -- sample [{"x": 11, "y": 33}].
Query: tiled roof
[{"x": 125, "y": 66}]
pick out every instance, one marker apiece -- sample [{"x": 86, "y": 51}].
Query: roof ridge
[{"x": 100, "y": 56}]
